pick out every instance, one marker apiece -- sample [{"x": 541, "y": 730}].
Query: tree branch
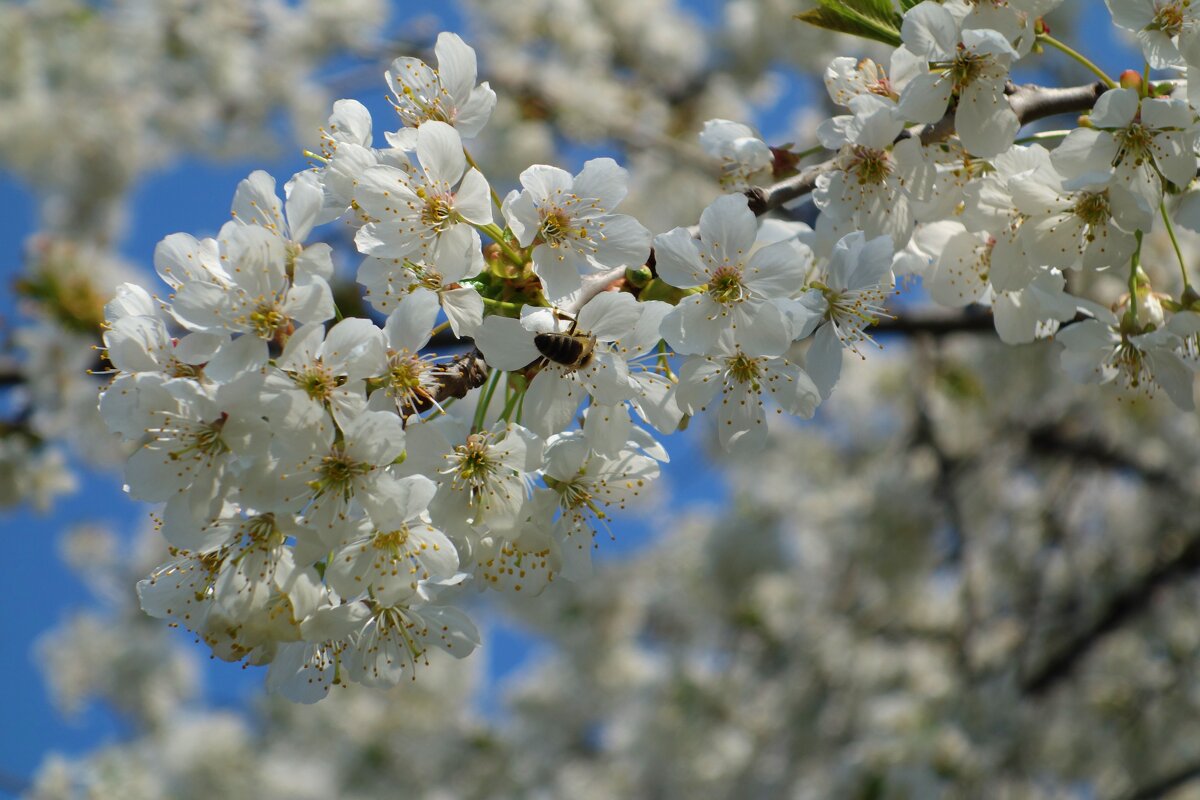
[
  {"x": 937, "y": 322},
  {"x": 1029, "y": 102},
  {"x": 1166, "y": 784},
  {"x": 10, "y": 372},
  {"x": 1052, "y": 440},
  {"x": 1126, "y": 604},
  {"x": 1122, "y": 607}
]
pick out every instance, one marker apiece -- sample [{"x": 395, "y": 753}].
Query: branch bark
[
  {"x": 1123, "y": 607},
  {"x": 1030, "y": 103},
  {"x": 1166, "y": 784},
  {"x": 937, "y": 322},
  {"x": 10, "y": 372}
]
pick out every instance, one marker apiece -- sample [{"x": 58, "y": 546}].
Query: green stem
[
  {"x": 517, "y": 395},
  {"x": 812, "y": 151},
  {"x": 1080, "y": 57},
  {"x": 439, "y": 328},
  {"x": 502, "y": 308},
  {"x": 495, "y": 197},
  {"x": 485, "y": 399},
  {"x": 1162, "y": 207},
  {"x": 1134, "y": 264},
  {"x": 664, "y": 364},
  {"x": 497, "y": 235}
]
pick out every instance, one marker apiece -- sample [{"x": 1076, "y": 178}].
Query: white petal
[
  {"x": 456, "y": 66},
  {"x": 440, "y": 151},
  {"x": 505, "y": 344}
]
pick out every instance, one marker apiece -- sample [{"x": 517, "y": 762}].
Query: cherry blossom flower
[
  {"x": 398, "y": 635},
  {"x": 389, "y": 558},
  {"x": 570, "y": 225},
  {"x": 739, "y": 287},
  {"x": 427, "y": 216},
  {"x": 744, "y": 381},
  {"x": 739, "y": 150},
  {"x": 838, "y": 307},
  {"x": 972, "y": 64},
  {"x": 1098, "y": 351},
  {"x": 390, "y": 286},
  {"x": 447, "y": 94},
  {"x": 877, "y": 180},
  {"x": 585, "y": 486},
  {"x": 483, "y": 476},
  {"x": 1163, "y": 28},
  {"x": 1140, "y": 141}
]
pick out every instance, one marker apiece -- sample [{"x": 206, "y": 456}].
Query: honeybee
[{"x": 571, "y": 350}]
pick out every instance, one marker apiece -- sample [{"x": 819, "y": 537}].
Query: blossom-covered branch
[
  {"x": 363, "y": 480},
  {"x": 1029, "y": 102}
]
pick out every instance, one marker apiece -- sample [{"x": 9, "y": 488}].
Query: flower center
[
  {"x": 262, "y": 530},
  {"x": 317, "y": 381},
  {"x": 414, "y": 108},
  {"x": 853, "y": 310},
  {"x": 438, "y": 213},
  {"x": 1092, "y": 208},
  {"x": 427, "y": 277},
  {"x": 725, "y": 286},
  {"x": 1168, "y": 18},
  {"x": 743, "y": 369},
  {"x": 413, "y": 381},
  {"x": 204, "y": 439},
  {"x": 337, "y": 473},
  {"x": 556, "y": 227},
  {"x": 1134, "y": 142},
  {"x": 391, "y": 541},
  {"x": 472, "y": 465},
  {"x": 869, "y": 166},
  {"x": 405, "y": 374},
  {"x": 1131, "y": 363},
  {"x": 266, "y": 319},
  {"x": 967, "y": 67},
  {"x": 178, "y": 369}
]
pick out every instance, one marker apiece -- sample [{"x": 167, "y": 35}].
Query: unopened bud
[{"x": 639, "y": 277}]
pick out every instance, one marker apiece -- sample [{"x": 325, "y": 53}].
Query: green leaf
[{"x": 868, "y": 19}]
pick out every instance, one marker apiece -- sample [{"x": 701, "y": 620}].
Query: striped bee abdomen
[{"x": 572, "y": 350}]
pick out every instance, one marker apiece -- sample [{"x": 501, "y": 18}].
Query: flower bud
[{"x": 639, "y": 277}]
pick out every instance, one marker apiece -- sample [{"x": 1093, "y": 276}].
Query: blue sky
[{"x": 194, "y": 196}]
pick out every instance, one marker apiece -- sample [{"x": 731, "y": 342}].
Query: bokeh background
[{"x": 865, "y": 610}]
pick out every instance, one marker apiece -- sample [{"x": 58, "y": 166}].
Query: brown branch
[
  {"x": 466, "y": 372},
  {"x": 1166, "y": 784},
  {"x": 1123, "y": 607},
  {"x": 10, "y": 372},
  {"x": 1052, "y": 440},
  {"x": 937, "y": 322},
  {"x": 1030, "y": 103}
]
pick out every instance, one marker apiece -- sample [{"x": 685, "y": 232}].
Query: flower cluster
[{"x": 333, "y": 486}]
